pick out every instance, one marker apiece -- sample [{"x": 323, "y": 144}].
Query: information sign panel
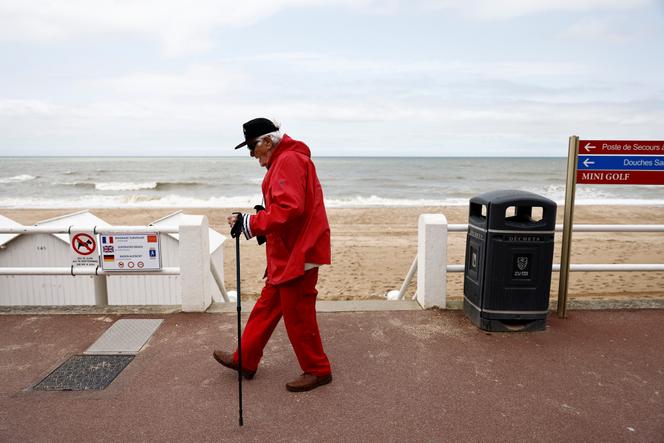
[
  {"x": 620, "y": 162},
  {"x": 84, "y": 248},
  {"x": 620, "y": 147},
  {"x": 130, "y": 252},
  {"x": 620, "y": 177}
]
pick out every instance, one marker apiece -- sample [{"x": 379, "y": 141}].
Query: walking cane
[{"x": 239, "y": 323}]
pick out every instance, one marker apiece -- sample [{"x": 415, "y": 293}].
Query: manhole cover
[{"x": 85, "y": 372}]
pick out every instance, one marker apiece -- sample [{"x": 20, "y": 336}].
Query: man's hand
[
  {"x": 235, "y": 221},
  {"x": 240, "y": 224},
  {"x": 231, "y": 220}
]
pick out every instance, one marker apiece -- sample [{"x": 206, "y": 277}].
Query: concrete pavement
[{"x": 398, "y": 376}]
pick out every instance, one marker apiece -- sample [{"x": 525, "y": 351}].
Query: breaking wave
[
  {"x": 130, "y": 186},
  {"x": 248, "y": 201},
  {"x": 124, "y": 186},
  {"x": 17, "y": 178}
]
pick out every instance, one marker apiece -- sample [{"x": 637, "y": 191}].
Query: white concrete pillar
[
  {"x": 432, "y": 260},
  {"x": 195, "y": 263}
]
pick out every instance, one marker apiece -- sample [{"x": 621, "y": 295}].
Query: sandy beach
[{"x": 372, "y": 249}]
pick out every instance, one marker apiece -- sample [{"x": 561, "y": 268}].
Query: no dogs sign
[{"x": 84, "y": 248}]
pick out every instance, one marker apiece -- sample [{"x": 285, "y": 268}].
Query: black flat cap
[{"x": 256, "y": 128}]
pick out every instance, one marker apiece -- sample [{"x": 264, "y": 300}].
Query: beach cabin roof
[
  {"x": 174, "y": 219},
  {"x": 8, "y": 222},
  {"x": 83, "y": 218}
]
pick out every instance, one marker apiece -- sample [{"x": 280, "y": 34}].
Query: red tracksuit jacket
[{"x": 294, "y": 221}]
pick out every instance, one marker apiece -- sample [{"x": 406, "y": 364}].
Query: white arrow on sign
[
  {"x": 587, "y": 162},
  {"x": 588, "y": 147}
]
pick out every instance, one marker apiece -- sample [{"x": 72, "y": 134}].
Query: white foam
[
  {"x": 17, "y": 178},
  {"x": 125, "y": 186},
  {"x": 375, "y": 201},
  {"x": 248, "y": 201},
  {"x": 133, "y": 200},
  {"x": 178, "y": 201}
]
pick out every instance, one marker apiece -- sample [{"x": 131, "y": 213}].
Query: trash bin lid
[
  {"x": 498, "y": 202},
  {"x": 510, "y": 196}
]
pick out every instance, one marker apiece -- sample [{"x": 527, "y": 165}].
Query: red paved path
[{"x": 399, "y": 376}]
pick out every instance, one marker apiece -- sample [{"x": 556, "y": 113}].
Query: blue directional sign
[{"x": 621, "y": 163}]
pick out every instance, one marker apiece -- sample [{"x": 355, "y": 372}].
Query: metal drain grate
[{"x": 85, "y": 372}]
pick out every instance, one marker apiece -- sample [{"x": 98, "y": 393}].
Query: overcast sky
[{"x": 348, "y": 77}]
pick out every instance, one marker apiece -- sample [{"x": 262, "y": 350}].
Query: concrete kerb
[
  {"x": 590, "y": 304},
  {"x": 323, "y": 306},
  {"x": 91, "y": 310}
]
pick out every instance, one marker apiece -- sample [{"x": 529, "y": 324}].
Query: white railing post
[
  {"x": 195, "y": 263},
  {"x": 432, "y": 260}
]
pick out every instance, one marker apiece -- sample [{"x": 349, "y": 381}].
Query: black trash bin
[{"x": 509, "y": 256}]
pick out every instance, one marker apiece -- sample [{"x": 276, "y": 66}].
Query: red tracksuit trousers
[{"x": 296, "y": 301}]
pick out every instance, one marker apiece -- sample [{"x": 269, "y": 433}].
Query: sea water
[{"x": 92, "y": 182}]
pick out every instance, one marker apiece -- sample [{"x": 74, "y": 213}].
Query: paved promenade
[{"x": 398, "y": 376}]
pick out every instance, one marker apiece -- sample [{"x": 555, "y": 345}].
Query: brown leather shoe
[
  {"x": 226, "y": 359},
  {"x": 307, "y": 382}
]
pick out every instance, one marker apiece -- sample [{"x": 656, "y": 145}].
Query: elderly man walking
[{"x": 295, "y": 224}]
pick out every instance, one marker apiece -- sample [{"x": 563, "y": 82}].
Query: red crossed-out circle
[
  {"x": 140, "y": 264},
  {"x": 80, "y": 244}
]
